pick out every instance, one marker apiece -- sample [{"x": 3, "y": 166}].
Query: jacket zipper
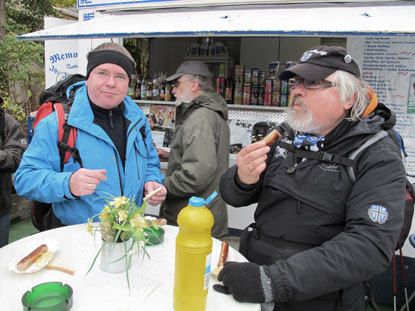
[
  {"x": 111, "y": 119},
  {"x": 119, "y": 172}
]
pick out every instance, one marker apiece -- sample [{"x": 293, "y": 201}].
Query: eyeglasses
[
  {"x": 105, "y": 75},
  {"x": 176, "y": 83},
  {"x": 309, "y": 84}
]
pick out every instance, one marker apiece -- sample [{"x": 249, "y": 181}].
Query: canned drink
[
  {"x": 247, "y": 76},
  {"x": 238, "y": 94},
  {"x": 283, "y": 100},
  {"x": 268, "y": 86},
  {"x": 273, "y": 69},
  {"x": 220, "y": 85},
  {"x": 239, "y": 74},
  {"x": 261, "y": 78},
  {"x": 284, "y": 87},
  {"x": 255, "y": 77},
  {"x": 275, "y": 101},
  {"x": 254, "y": 95},
  {"x": 267, "y": 99},
  {"x": 246, "y": 99},
  {"x": 276, "y": 85},
  {"x": 260, "y": 98}
]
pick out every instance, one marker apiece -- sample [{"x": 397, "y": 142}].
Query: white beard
[{"x": 301, "y": 121}]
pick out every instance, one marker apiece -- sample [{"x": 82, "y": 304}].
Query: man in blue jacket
[{"x": 114, "y": 142}]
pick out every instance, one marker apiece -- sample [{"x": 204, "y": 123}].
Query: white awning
[{"x": 263, "y": 21}]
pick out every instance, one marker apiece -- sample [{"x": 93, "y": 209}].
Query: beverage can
[
  {"x": 220, "y": 85},
  {"x": 267, "y": 99},
  {"x": 255, "y": 77},
  {"x": 284, "y": 87},
  {"x": 275, "y": 100},
  {"x": 283, "y": 100},
  {"x": 247, "y": 77},
  {"x": 268, "y": 86},
  {"x": 273, "y": 69},
  {"x": 254, "y": 95},
  {"x": 246, "y": 97},
  {"x": 261, "y": 78}
]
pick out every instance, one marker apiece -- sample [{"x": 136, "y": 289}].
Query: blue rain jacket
[{"x": 39, "y": 177}]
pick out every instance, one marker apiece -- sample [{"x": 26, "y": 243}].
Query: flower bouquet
[{"x": 122, "y": 225}]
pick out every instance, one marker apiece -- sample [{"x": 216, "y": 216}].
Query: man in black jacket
[
  {"x": 318, "y": 236},
  {"x": 12, "y": 145}
]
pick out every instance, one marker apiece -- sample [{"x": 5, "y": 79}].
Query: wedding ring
[
  {"x": 251, "y": 167},
  {"x": 89, "y": 186}
]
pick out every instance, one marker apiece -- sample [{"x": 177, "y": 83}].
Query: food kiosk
[{"x": 257, "y": 33}]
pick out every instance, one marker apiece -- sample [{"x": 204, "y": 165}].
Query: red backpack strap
[
  {"x": 66, "y": 135},
  {"x": 44, "y": 110}
]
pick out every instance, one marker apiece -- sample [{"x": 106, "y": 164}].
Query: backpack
[
  {"x": 410, "y": 192},
  {"x": 55, "y": 99}
]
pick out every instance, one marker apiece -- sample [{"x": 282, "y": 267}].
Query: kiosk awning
[{"x": 257, "y": 21}]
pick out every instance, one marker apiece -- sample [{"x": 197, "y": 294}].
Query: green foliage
[
  {"x": 28, "y": 13},
  {"x": 21, "y": 63}
]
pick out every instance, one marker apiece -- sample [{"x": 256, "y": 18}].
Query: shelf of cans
[
  {"x": 252, "y": 87},
  {"x": 249, "y": 86}
]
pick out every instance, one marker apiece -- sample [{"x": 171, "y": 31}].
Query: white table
[{"x": 151, "y": 279}]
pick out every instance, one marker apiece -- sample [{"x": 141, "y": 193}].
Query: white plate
[{"x": 53, "y": 246}]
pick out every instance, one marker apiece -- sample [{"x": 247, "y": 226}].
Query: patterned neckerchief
[{"x": 306, "y": 141}]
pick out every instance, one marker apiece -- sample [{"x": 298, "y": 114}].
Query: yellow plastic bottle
[{"x": 193, "y": 256}]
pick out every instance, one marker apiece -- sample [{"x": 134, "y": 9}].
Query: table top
[{"x": 151, "y": 279}]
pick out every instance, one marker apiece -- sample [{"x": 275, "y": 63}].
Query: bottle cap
[{"x": 196, "y": 202}]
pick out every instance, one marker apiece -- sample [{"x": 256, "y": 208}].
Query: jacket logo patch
[
  {"x": 378, "y": 213},
  {"x": 280, "y": 153}
]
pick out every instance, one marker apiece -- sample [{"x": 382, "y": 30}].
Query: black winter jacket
[
  {"x": 314, "y": 227},
  {"x": 11, "y": 151}
]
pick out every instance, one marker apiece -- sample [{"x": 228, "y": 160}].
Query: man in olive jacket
[
  {"x": 12, "y": 145},
  {"x": 200, "y": 146}
]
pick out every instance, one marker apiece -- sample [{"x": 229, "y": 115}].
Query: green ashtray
[
  {"x": 154, "y": 236},
  {"x": 51, "y": 296}
]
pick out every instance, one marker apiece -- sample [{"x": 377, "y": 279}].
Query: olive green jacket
[{"x": 198, "y": 157}]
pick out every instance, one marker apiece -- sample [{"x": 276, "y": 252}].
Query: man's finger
[
  {"x": 221, "y": 289},
  {"x": 99, "y": 174}
]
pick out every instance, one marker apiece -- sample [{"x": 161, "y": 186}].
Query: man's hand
[
  {"x": 251, "y": 162},
  {"x": 85, "y": 181},
  {"x": 242, "y": 280},
  {"x": 163, "y": 154},
  {"x": 159, "y": 196}
]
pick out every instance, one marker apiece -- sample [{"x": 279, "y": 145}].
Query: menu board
[{"x": 388, "y": 65}]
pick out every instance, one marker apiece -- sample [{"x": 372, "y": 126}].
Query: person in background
[
  {"x": 114, "y": 143},
  {"x": 200, "y": 146},
  {"x": 318, "y": 236},
  {"x": 13, "y": 143}
]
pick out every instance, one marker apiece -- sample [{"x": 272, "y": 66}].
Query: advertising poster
[
  {"x": 388, "y": 65},
  {"x": 162, "y": 116}
]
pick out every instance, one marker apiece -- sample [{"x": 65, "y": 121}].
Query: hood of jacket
[{"x": 208, "y": 100}]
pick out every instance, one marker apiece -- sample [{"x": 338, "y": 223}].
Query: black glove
[{"x": 242, "y": 280}]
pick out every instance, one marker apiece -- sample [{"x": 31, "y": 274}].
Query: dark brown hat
[{"x": 321, "y": 61}]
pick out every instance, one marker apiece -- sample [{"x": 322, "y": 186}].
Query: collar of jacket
[
  {"x": 82, "y": 117},
  {"x": 208, "y": 100}
]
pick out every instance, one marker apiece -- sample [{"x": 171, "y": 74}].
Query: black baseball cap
[
  {"x": 321, "y": 61},
  {"x": 193, "y": 67}
]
